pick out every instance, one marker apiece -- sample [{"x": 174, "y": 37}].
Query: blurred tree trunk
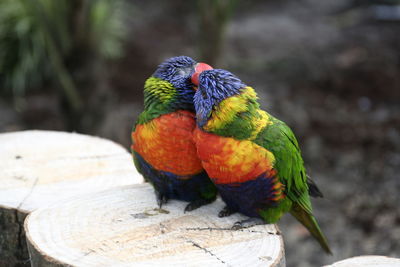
[
  {"x": 78, "y": 20},
  {"x": 87, "y": 70},
  {"x": 77, "y": 61},
  {"x": 213, "y": 18}
]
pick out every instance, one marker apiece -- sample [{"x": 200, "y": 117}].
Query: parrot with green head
[
  {"x": 252, "y": 157},
  {"x": 162, "y": 143}
]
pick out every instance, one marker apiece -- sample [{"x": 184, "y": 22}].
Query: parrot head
[
  {"x": 171, "y": 83},
  {"x": 214, "y": 86},
  {"x": 177, "y": 71}
]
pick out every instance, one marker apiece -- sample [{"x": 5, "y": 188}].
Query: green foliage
[
  {"x": 107, "y": 26},
  {"x": 22, "y": 47},
  {"x": 37, "y": 36}
]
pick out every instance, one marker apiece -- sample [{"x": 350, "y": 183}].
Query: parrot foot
[
  {"x": 247, "y": 223},
  {"x": 225, "y": 212},
  {"x": 161, "y": 199},
  {"x": 197, "y": 204}
]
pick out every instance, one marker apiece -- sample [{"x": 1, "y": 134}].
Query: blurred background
[{"x": 330, "y": 69}]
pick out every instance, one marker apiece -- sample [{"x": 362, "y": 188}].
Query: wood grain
[
  {"x": 39, "y": 168},
  {"x": 124, "y": 227}
]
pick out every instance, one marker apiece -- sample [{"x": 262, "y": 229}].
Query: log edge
[
  {"x": 49, "y": 259},
  {"x": 36, "y": 253},
  {"x": 281, "y": 260}
]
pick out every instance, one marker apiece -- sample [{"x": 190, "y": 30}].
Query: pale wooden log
[
  {"x": 38, "y": 168},
  {"x": 124, "y": 227},
  {"x": 367, "y": 260}
]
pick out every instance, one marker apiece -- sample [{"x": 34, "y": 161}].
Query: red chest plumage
[
  {"x": 167, "y": 143},
  {"x": 228, "y": 160}
]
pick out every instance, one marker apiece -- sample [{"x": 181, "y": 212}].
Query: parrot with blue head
[
  {"x": 162, "y": 138},
  {"x": 252, "y": 157}
]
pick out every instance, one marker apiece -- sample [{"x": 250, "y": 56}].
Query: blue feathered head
[
  {"x": 177, "y": 71},
  {"x": 214, "y": 86}
]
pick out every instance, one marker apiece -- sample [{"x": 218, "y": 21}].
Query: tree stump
[
  {"x": 368, "y": 260},
  {"x": 124, "y": 227},
  {"x": 38, "y": 168}
]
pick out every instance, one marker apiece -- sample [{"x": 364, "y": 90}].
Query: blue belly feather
[
  {"x": 174, "y": 186},
  {"x": 250, "y": 196}
]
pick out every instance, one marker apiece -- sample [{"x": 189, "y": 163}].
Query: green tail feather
[{"x": 311, "y": 224}]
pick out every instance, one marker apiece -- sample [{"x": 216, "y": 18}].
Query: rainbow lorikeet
[
  {"x": 253, "y": 158},
  {"x": 162, "y": 142}
]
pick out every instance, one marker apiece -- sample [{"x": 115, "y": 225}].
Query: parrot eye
[
  {"x": 183, "y": 71},
  {"x": 204, "y": 95}
]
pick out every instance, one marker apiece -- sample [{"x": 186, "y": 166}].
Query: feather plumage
[
  {"x": 162, "y": 145},
  {"x": 253, "y": 158}
]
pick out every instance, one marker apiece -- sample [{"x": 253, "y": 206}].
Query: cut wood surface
[
  {"x": 369, "y": 260},
  {"x": 38, "y": 168},
  {"x": 124, "y": 227}
]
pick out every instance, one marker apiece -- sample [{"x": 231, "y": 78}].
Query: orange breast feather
[
  {"x": 228, "y": 160},
  {"x": 167, "y": 143}
]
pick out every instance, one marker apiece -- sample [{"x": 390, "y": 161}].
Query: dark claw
[
  {"x": 237, "y": 226},
  {"x": 161, "y": 199},
  {"x": 197, "y": 204},
  {"x": 247, "y": 223},
  {"x": 226, "y": 211}
]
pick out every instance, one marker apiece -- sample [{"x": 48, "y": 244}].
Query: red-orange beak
[{"x": 199, "y": 68}]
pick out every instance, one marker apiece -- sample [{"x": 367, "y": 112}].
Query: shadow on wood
[{"x": 124, "y": 227}]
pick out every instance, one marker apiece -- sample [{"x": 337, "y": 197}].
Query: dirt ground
[{"x": 330, "y": 70}]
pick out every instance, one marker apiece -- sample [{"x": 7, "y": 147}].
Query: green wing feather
[{"x": 280, "y": 140}]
